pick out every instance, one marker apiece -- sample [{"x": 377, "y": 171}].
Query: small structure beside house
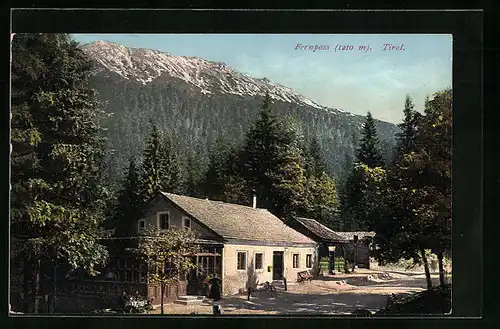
[
  {"x": 337, "y": 246},
  {"x": 330, "y": 244},
  {"x": 358, "y": 247}
]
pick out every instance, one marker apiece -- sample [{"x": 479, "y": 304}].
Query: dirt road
[{"x": 336, "y": 294}]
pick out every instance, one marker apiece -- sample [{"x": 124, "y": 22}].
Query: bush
[{"x": 434, "y": 301}]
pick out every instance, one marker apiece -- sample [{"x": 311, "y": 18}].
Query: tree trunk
[
  {"x": 426, "y": 267},
  {"x": 442, "y": 280},
  {"x": 27, "y": 272},
  {"x": 36, "y": 287},
  {"x": 54, "y": 289},
  {"x": 162, "y": 289}
]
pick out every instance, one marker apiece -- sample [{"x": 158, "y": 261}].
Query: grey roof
[
  {"x": 361, "y": 235},
  {"x": 232, "y": 221},
  {"x": 321, "y": 230}
]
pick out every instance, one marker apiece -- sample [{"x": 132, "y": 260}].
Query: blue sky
[{"x": 355, "y": 81}]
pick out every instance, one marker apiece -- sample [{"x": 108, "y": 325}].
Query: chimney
[{"x": 254, "y": 204}]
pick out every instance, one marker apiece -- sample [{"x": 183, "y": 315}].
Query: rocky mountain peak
[{"x": 145, "y": 65}]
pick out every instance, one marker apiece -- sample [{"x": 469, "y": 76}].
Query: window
[
  {"x": 242, "y": 260},
  {"x": 163, "y": 220},
  {"x": 142, "y": 225},
  {"x": 259, "y": 261},
  {"x": 309, "y": 261},
  {"x": 186, "y": 222},
  {"x": 296, "y": 260}
]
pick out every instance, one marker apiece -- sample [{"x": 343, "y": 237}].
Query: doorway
[{"x": 277, "y": 265}]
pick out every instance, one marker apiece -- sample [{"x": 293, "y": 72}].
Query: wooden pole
[
  {"x": 354, "y": 257},
  {"x": 162, "y": 290}
]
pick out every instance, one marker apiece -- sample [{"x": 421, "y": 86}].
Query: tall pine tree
[
  {"x": 193, "y": 174},
  {"x": 406, "y": 139},
  {"x": 271, "y": 162},
  {"x": 174, "y": 182},
  {"x": 58, "y": 195},
  {"x": 130, "y": 202},
  {"x": 368, "y": 154},
  {"x": 315, "y": 164},
  {"x": 160, "y": 167},
  {"x": 419, "y": 191},
  {"x": 432, "y": 167},
  {"x": 153, "y": 166},
  {"x": 369, "y": 150},
  {"x": 221, "y": 162}
]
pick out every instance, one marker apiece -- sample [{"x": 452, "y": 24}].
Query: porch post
[{"x": 222, "y": 267}]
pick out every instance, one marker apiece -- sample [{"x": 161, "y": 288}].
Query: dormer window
[
  {"x": 186, "y": 222},
  {"x": 163, "y": 220}
]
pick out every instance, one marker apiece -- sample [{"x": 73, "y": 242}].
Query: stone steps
[{"x": 190, "y": 300}]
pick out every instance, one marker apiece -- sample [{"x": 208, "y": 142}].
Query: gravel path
[{"x": 336, "y": 294}]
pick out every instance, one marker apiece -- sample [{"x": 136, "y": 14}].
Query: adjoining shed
[
  {"x": 330, "y": 244},
  {"x": 336, "y": 247},
  {"x": 358, "y": 249}
]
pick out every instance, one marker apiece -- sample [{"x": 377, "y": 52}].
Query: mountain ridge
[
  {"x": 105, "y": 52},
  {"x": 199, "y": 101}
]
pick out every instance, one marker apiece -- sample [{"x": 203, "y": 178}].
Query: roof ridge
[
  {"x": 216, "y": 201},
  {"x": 235, "y": 220},
  {"x": 314, "y": 220}
]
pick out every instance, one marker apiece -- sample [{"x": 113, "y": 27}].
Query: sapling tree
[{"x": 168, "y": 255}]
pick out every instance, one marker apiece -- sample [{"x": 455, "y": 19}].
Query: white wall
[{"x": 235, "y": 280}]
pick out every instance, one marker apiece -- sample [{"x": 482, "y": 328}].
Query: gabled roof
[
  {"x": 237, "y": 222},
  {"x": 320, "y": 230}
]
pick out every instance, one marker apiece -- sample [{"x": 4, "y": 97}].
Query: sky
[{"x": 354, "y": 80}]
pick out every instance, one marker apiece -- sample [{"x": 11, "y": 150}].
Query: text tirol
[{"x": 390, "y": 46}]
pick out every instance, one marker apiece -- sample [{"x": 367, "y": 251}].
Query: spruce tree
[
  {"x": 350, "y": 200},
  {"x": 193, "y": 174},
  {"x": 261, "y": 147},
  {"x": 369, "y": 151},
  {"x": 130, "y": 203},
  {"x": 160, "y": 167},
  {"x": 315, "y": 164},
  {"x": 406, "y": 139},
  {"x": 221, "y": 163},
  {"x": 171, "y": 168},
  {"x": 271, "y": 162},
  {"x": 368, "y": 154},
  {"x": 152, "y": 166},
  {"x": 58, "y": 195},
  {"x": 399, "y": 237}
]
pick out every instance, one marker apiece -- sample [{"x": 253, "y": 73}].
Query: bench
[{"x": 304, "y": 276}]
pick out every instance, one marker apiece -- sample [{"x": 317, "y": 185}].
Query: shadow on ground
[
  {"x": 283, "y": 302},
  {"x": 364, "y": 295},
  {"x": 387, "y": 283}
]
